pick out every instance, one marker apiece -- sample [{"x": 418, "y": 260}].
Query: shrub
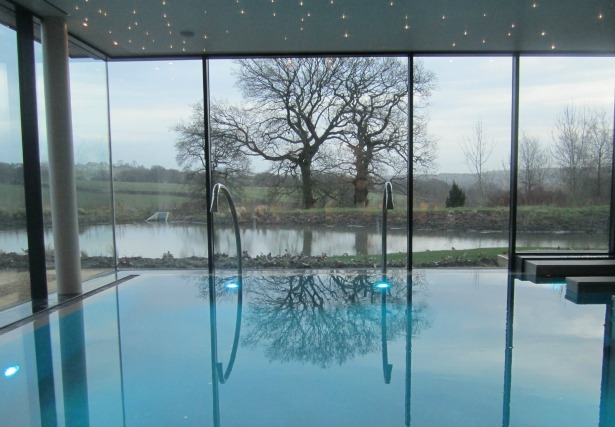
[{"x": 456, "y": 197}]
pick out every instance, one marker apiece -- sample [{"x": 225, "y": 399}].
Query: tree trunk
[
  {"x": 306, "y": 186},
  {"x": 361, "y": 190},
  {"x": 361, "y": 181}
]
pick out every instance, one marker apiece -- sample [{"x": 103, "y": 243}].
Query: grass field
[{"x": 134, "y": 200}]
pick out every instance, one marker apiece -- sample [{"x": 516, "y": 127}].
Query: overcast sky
[{"x": 148, "y": 98}]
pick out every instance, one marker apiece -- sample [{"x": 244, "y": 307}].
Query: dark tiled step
[{"x": 569, "y": 268}]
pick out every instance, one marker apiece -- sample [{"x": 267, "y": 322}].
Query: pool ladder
[
  {"x": 214, "y": 208},
  {"x": 222, "y": 374}
]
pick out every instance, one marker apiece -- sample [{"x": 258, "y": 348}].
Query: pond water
[{"x": 185, "y": 240}]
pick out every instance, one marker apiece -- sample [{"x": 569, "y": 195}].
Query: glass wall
[
  {"x": 14, "y": 278},
  {"x": 306, "y": 144},
  {"x": 160, "y": 218},
  {"x": 565, "y": 153},
  {"x": 88, "y": 81},
  {"x": 461, "y": 200}
]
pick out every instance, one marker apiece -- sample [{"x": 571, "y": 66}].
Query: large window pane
[
  {"x": 160, "y": 220},
  {"x": 14, "y": 278},
  {"x": 88, "y": 77},
  {"x": 307, "y": 144},
  {"x": 461, "y": 206},
  {"x": 565, "y": 153}
]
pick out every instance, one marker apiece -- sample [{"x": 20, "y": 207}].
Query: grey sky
[{"x": 148, "y": 98}]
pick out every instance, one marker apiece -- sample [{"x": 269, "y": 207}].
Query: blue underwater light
[
  {"x": 383, "y": 285},
  {"x": 11, "y": 370},
  {"x": 231, "y": 285}
]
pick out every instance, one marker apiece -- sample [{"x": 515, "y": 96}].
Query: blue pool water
[{"x": 326, "y": 349}]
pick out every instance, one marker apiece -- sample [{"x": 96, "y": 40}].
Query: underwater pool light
[
  {"x": 231, "y": 285},
  {"x": 383, "y": 285},
  {"x": 11, "y": 370}
]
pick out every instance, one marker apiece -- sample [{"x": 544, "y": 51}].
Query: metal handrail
[
  {"x": 214, "y": 208},
  {"x": 387, "y": 203},
  {"x": 221, "y": 373}
]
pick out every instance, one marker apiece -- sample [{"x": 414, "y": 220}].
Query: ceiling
[{"x": 163, "y": 28}]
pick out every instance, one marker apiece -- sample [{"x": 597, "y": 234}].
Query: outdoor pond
[{"x": 186, "y": 240}]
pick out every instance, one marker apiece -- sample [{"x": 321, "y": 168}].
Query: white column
[{"x": 61, "y": 158}]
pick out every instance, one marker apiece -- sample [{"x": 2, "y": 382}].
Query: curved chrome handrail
[
  {"x": 387, "y": 203},
  {"x": 387, "y": 368},
  {"x": 222, "y": 374},
  {"x": 214, "y": 208}
]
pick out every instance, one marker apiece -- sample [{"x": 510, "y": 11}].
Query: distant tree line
[{"x": 135, "y": 173}]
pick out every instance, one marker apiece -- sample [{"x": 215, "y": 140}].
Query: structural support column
[{"x": 61, "y": 158}]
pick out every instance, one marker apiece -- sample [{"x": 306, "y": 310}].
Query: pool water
[{"x": 313, "y": 349}]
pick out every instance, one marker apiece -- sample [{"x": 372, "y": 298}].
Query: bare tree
[
  {"x": 318, "y": 119},
  {"x": 229, "y": 164},
  {"x": 533, "y": 167},
  {"x": 376, "y": 94},
  {"x": 476, "y": 151},
  {"x": 294, "y": 110},
  {"x": 601, "y": 151},
  {"x": 571, "y": 148}
]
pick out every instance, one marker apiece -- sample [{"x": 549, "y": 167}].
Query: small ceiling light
[
  {"x": 443, "y": 17},
  {"x": 543, "y": 33},
  {"x": 512, "y": 25},
  {"x": 552, "y": 47},
  {"x": 346, "y": 35},
  {"x": 115, "y": 43},
  {"x": 406, "y": 27},
  {"x": 600, "y": 16},
  {"x": 534, "y": 5},
  {"x": 465, "y": 33},
  {"x": 85, "y": 24},
  {"x": 454, "y": 44}
]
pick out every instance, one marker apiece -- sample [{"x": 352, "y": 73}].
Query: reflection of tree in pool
[{"x": 325, "y": 319}]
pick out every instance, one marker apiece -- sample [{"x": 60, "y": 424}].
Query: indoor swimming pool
[{"x": 314, "y": 349}]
